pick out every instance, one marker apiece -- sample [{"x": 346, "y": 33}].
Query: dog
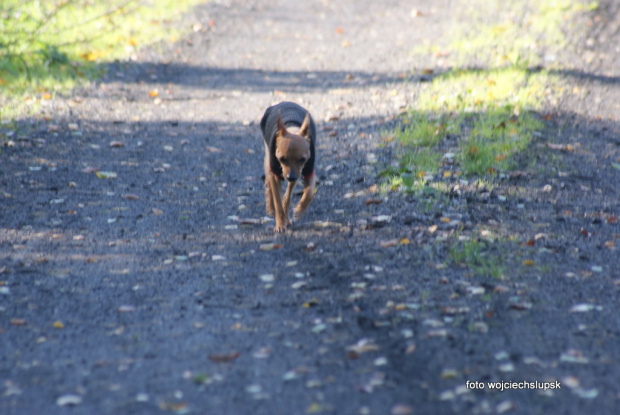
[{"x": 290, "y": 139}]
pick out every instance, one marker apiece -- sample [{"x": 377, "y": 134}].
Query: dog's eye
[
  {"x": 282, "y": 159},
  {"x": 302, "y": 160}
]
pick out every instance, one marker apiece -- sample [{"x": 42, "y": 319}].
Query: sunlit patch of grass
[
  {"x": 48, "y": 47},
  {"x": 469, "y": 90},
  {"x": 424, "y": 131},
  {"x": 522, "y": 33}
]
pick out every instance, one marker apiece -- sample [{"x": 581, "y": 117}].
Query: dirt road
[{"x": 139, "y": 274}]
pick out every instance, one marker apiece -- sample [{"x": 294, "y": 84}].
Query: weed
[{"x": 477, "y": 257}]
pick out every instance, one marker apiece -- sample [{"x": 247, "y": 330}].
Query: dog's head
[{"x": 293, "y": 148}]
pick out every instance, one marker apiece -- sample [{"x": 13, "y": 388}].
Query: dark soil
[{"x": 163, "y": 289}]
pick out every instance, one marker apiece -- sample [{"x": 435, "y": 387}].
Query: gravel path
[{"x": 139, "y": 275}]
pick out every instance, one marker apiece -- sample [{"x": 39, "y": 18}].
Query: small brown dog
[{"x": 290, "y": 137}]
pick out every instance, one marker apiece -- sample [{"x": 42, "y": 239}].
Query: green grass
[
  {"x": 488, "y": 112},
  {"x": 477, "y": 257},
  {"x": 49, "y": 46}
]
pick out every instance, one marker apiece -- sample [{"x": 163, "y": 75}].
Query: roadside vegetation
[
  {"x": 471, "y": 123},
  {"x": 48, "y": 47},
  {"x": 472, "y": 120}
]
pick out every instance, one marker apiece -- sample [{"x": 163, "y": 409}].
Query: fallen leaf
[
  {"x": 154, "y": 93},
  {"x": 573, "y": 356},
  {"x": 505, "y": 406},
  {"x": 156, "y": 211},
  {"x": 69, "y": 400},
  {"x": 58, "y": 324},
  {"x": 401, "y": 409},
  {"x": 528, "y": 262},
  {"x": 270, "y": 247},
  {"x": 584, "y": 308},
  {"x": 213, "y": 149},
  {"x": 361, "y": 347},
  {"x": 267, "y": 277},
  {"x": 130, "y": 196},
  {"x": 612, "y": 220},
  {"x": 224, "y": 358},
  {"x": 454, "y": 310},
  {"x": 390, "y": 243},
  {"x": 314, "y": 408},
  {"x": 117, "y": 144},
  {"x": 520, "y": 305},
  {"x": 106, "y": 174},
  {"x": 18, "y": 321},
  {"x": 371, "y": 201},
  {"x": 126, "y": 309}
]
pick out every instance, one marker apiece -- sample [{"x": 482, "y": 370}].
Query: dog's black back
[{"x": 292, "y": 115}]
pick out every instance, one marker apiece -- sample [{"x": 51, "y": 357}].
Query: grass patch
[
  {"x": 476, "y": 256},
  {"x": 483, "y": 117},
  {"x": 48, "y": 47}
]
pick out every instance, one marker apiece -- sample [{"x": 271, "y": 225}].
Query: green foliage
[
  {"x": 50, "y": 45},
  {"x": 477, "y": 256}
]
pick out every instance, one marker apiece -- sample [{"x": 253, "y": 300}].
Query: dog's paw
[
  {"x": 297, "y": 214},
  {"x": 279, "y": 228}
]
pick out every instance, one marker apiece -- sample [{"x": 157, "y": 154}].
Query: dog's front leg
[
  {"x": 276, "y": 193},
  {"x": 287, "y": 200},
  {"x": 306, "y": 198}
]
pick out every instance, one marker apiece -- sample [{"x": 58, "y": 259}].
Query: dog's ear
[
  {"x": 304, "y": 130},
  {"x": 281, "y": 126}
]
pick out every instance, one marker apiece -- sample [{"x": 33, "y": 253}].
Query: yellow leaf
[
  {"x": 405, "y": 241},
  {"x": 47, "y": 95},
  {"x": 445, "y": 219},
  {"x": 132, "y": 41},
  {"x": 447, "y": 174},
  {"x": 58, "y": 324},
  {"x": 528, "y": 262},
  {"x": 154, "y": 93},
  {"x": 106, "y": 174}
]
